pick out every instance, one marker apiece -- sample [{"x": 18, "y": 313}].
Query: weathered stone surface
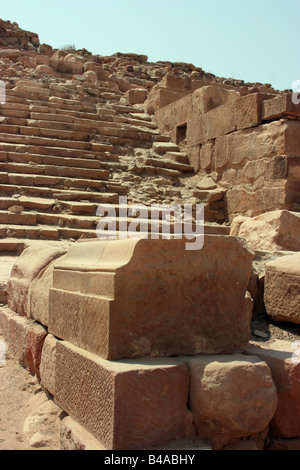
[
  {"x": 75, "y": 437},
  {"x": 231, "y": 397},
  {"x": 279, "y": 107},
  {"x": 27, "y": 267},
  {"x": 265, "y": 141},
  {"x": 209, "y": 97},
  {"x": 130, "y": 404},
  {"x": 48, "y": 364},
  {"x": 24, "y": 339},
  {"x": 248, "y": 109},
  {"x": 275, "y": 230},
  {"x": 137, "y": 95},
  {"x": 282, "y": 289},
  {"x": 127, "y": 298},
  {"x": 180, "y": 112},
  {"x": 283, "y": 358},
  {"x": 235, "y": 114},
  {"x": 160, "y": 97},
  {"x": 34, "y": 340},
  {"x": 38, "y": 294},
  {"x": 255, "y": 199}
]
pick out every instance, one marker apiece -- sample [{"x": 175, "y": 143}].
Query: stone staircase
[{"x": 70, "y": 146}]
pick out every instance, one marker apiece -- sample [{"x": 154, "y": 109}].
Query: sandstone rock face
[
  {"x": 25, "y": 339},
  {"x": 230, "y": 397},
  {"x": 127, "y": 298},
  {"x": 272, "y": 231},
  {"x": 27, "y": 267},
  {"x": 282, "y": 289},
  {"x": 130, "y": 404},
  {"x": 48, "y": 364},
  {"x": 283, "y": 358},
  {"x": 38, "y": 294}
]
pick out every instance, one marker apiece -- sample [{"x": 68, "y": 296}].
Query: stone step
[
  {"x": 161, "y": 171},
  {"x": 13, "y": 121},
  {"x": 9, "y": 129},
  {"x": 70, "y": 105},
  {"x": 141, "y": 116},
  {"x": 51, "y": 160},
  {"x": 73, "y": 135},
  {"x": 76, "y": 126},
  {"x": 32, "y": 87},
  {"x": 47, "y": 116},
  {"x": 76, "y": 233},
  {"x": 59, "y": 194},
  {"x": 22, "y": 232},
  {"x": 15, "y": 106},
  {"x": 36, "y": 203},
  {"x": 179, "y": 157},
  {"x": 6, "y": 203},
  {"x": 68, "y": 220},
  {"x": 135, "y": 122},
  {"x": 164, "y": 147},
  {"x": 44, "y": 141},
  {"x": 91, "y": 151},
  {"x": 52, "y": 181},
  {"x": 210, "y": 195},
  {"x": 125, "y": 109},
  {"x": 14, "y": 112},
  {"x": 171, "y": 164},
  {"x": 9, "y": 245},
  {"x": 45, "y": 204},
  {"x": 53, "y": 170},
  {"x": 208, "y": 229},
  {"x": 101, "y": 113},
  {"x": 50, "y": 155},
  {"x": 36, "y": 232},
  {"x": 24, "y": 218}
]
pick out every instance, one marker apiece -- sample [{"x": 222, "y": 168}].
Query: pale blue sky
[{"x": 256, "y": 40}]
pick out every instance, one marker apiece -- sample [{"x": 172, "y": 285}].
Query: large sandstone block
[
  {"x": 282, "y": 289},
  {"x": 137, "y": 95},
  {"x": 253, "y": 200},
  {"x": 24, "y": 339},
  {"x": 27, "y": 267},
  {"x": 248, "y": 109},
  {"x": 280, "y": 107},
  {"x": 209, "y": 97},
  {"x": 262, "y": 142},
  {"x": 176, "y": 114},
  {"x": 132, "y": 298},
  {"x": 283, "y": 358},
  {"x": 231, "y": 397},
  {"x": 272, "y": 231},
  {"x": 210, "y": 120},
  {"x": 48, "y": 364},
  {"x": 160, "y": 97},
  {"x": 125, "y": 405},
  {"x": 219, "y": 121}
]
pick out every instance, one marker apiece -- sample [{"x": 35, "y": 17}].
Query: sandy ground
[{"x": 26, "y": 422}]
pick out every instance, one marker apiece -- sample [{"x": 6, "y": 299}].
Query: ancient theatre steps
[
  {"x": 58, "y": 155},
  {"x": 65, "y": 150}
]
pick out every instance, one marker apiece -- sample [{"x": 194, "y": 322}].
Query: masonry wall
[{"x": 249, "y": 144}]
